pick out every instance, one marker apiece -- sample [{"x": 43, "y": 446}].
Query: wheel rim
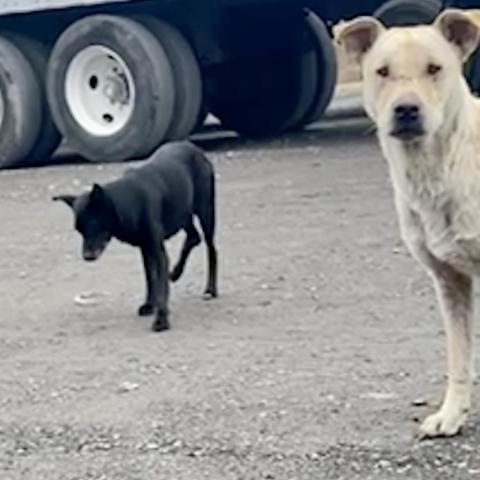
[{"x": 99, "y": 90}]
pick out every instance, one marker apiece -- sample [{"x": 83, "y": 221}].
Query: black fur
[{"x": 148, "y": 205}]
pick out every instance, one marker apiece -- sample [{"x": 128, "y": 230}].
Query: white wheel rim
[{"x": 99, "y": 90}]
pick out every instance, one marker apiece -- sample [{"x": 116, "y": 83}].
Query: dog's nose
[
  {"x": 407, "y": 120},
  {"x": 407, "y": 113}
]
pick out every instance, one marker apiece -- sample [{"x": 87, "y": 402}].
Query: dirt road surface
[{"x": 316, "y": 362}]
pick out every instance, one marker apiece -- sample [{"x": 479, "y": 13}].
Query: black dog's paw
[
  {"x": 209, "y": 294},
  {"x": 145, "y": 310},
  {"x": 160, "y": 326},
  {"x": 175, "y": 274},
  {"x": 161, "y": 323}
]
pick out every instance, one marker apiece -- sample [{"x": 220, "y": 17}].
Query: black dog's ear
[
  {"x": 97, "y": 193},
  {"x": 68, "y": 199}
]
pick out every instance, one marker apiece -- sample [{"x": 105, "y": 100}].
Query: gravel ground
[{"x": 323, "y": 351}]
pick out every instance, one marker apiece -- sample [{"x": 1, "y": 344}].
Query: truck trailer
[{"x": 117, "y": 78}]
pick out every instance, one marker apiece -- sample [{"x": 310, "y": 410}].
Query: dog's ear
[
  {"x": 357, "y": 36},
  {"x": 97, "y": 194},
  {"x": 68, "y": 199},
  {"x": 460, "y": 30}
]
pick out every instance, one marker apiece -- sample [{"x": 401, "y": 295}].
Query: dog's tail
[
  {"x": 203, "y": 168},
  {"x": 205, "y": 197}
]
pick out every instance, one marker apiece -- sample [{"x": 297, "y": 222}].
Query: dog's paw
[
  {"x": 161, "y": 323},
  {"x": 444, "y": 423},
  {"x": 145, "y": 310},
  {"x": 160, "y": 326},
  {"x": 209, "y": 294}
]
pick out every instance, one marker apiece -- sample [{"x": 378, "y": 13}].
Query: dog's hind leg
[
  {"x": 151, "y": 279},
  {"x": 161, "y": 262},
  {"x": 191, "y": 241},
  {"x": 455, "y": 296},
  {"x": 206, "y": 215}
]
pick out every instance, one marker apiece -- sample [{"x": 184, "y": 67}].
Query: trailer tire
[
  {"x": 472, "y": 71},
  {"x": 186, "y": 75},
  {"x": 48, "y": 137},
  {"x": 327, "y": 69},
  {"x": 408, "y": 12},
  {"x": 262, "y": 97},
  {"x": 20, "y": 106},
  {"x": 110, "y": 88},
  {"x": 308, "y": 81}
]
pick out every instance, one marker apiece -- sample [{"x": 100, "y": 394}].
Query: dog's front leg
[
  {"x": 454, "y": 291},
  {"x": 151, "y": 280},
  {"x": 161, "y": 262}
]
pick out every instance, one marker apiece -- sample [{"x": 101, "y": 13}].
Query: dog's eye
[
  {"x": 383, "y": 71},
  {"x": 433, "y": 69}
]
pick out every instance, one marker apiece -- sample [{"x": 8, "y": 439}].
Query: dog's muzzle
[{"x": 407, "y": 122}]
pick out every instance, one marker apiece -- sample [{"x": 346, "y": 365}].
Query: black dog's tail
[
  {"x": 205, "y": 191},
  {"x": 213, "y": 198}
]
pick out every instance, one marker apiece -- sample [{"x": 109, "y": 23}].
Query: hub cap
[{"x": 100, "y": 91}]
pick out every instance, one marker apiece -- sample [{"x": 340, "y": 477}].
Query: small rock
[
  {"x": 126, "y": 387},
  {"x": 384, "y": 464},
  {"x": 88, "y": 298},
  {"x": 419, "y": 402},
  {"x": 177, "y": 444},
  {"x": 103, "y": 446},
  {"x": 379, "y": 395},
  {"x": 150, "y": 446}
]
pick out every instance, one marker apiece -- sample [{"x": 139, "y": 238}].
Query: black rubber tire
[
  {"x": 48, "y": 137},
  {"x": 263, "y": 97},
  {"x": 408, "y": 12},
  {"x": 327, "y": 69},
  {"x": 22, "y": 111},
  {"x": 472, "y": 71},
  {"x": 308, "y": 71},
  {"x": 152, "y": 76},
  {"x": 186, "y": 75}
]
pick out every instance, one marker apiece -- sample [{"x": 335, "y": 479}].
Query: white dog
[{"x": 428, "y": 126}]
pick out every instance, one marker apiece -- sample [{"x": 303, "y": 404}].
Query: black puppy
[{"x": 148, "y": 205}]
